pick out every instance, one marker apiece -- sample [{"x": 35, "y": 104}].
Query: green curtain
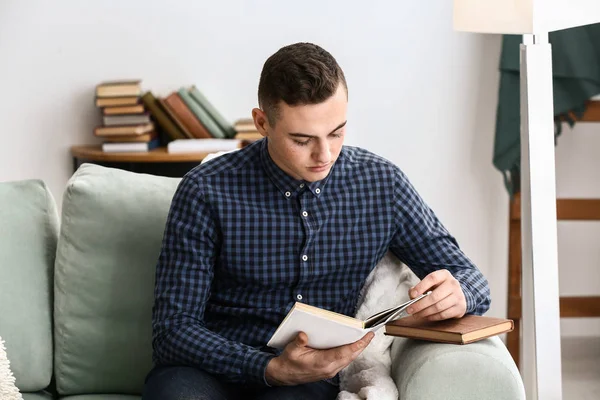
[{"x": 576, "y": 78}]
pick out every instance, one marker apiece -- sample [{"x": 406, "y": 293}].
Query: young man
[{"x": 296, "y": 216}]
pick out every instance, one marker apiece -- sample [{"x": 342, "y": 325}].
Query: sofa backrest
[
  {"x": 28, "y": 233},
  {"x": 111, "y": 232}
]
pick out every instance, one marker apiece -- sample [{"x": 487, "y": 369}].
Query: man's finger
[
  {"x": 448, "y": 302},
  {"x": 301, "y": 340},
  {"x": 430, "y": 281},
  {"x": 439, "y": 293},
  {"x": 452, "y": 312}
]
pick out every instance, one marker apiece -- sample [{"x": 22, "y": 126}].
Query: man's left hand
[{"x": 446, "y": 301}]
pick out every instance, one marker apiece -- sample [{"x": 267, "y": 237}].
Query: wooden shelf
[
  {"x": 592, "y": 112},
  {"x": 159, "y": 155}
]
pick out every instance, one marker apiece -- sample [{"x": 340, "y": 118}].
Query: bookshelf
[{"x": 155, "y": 162}]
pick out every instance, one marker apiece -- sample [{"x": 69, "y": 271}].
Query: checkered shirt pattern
[{"x": 244, "y": 241}]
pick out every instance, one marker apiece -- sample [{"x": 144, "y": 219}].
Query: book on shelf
[
  {"x": 162, "y": 119},
  {"x": 226, "y": 127},
  {"x": 123, "y": 130},
  {"x": 144, "y": 137},
  {"x": 186, "y": 117},
  {"x": 130, "y": 147},
  {"x": 122, "y": 110},
  {"x": 327, "y": 329},
  {"x": 171, "y": 115},
  {"x": 244, "y": 125},
  {"x": 203, "y": 116},
  {"x": 117, "y": 101},
  {"x": 250, "y": 136},
  {"x": 126, "y": 119},
  {"x": 129, "y": 88},
  {"x": 468, "y": 329},
  {"x": 202, "y": 145}
]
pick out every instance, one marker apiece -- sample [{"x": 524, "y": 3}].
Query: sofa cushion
[
  {"x": 37, "y": 396},
  {"x": 28, "y": 235},
  {"x": 111, "y": 232},
  {"x": 101, "y": 397}
]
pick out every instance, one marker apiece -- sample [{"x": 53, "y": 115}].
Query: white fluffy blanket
[
  {"x": 8, "y": 390},
  {"x": 368, "y": 377}
]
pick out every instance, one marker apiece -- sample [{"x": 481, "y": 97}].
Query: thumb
[{"x": 301, "y": 340}]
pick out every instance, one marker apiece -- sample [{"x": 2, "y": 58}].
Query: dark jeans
[{"x": 186, "y": 383}]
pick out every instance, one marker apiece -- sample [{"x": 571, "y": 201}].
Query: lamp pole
[{"x": 541, "y": 361}]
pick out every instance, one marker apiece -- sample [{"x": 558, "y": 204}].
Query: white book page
[{"x": 322, "y": 333}]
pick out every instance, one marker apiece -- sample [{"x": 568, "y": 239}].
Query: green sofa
[{"x": 76, "y": 297}]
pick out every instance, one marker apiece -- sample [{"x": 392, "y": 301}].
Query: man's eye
[{"x": 299, "y": 143}]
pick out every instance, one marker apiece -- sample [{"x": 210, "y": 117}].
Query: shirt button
[
  {"x": 317, "y": 190},
  {"x": 301, "y": 185},
  {"x": 299, "y": 297},
  {"x": 304, "y": 257},
  {"x": 287, "y": 194},
  {"x": 304, "y": 214}
]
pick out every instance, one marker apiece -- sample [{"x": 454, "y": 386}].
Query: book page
[
  {"x": 323, "y": 333},
  {"x": 382, "y": 318}
]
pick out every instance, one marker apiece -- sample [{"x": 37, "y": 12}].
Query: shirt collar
[{"x": 288, "y": 186}]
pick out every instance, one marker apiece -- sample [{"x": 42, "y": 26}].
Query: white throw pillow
[{"x": 8, "y": 390}]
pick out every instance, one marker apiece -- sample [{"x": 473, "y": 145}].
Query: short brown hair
[{"x": 298, "y": 74}]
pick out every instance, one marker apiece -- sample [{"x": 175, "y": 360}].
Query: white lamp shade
[{"x": 523, "y": 16}]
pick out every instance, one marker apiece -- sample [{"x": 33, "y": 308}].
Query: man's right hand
[{"x": 299, "y": 363}]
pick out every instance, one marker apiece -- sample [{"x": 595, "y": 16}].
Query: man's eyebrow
[{"x": 304, "y": 135}]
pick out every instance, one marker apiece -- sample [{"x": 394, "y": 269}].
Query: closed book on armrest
[
  {"x": 327, "y": 329},
  {"x": 467, "y": 329}
]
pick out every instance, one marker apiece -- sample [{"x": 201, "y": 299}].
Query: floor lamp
[{"x": 541, "y": 358}]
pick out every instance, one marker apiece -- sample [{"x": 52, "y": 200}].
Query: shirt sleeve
[
  {"x": 424, "y": 244},
  {"x": 184, "y": 273}
]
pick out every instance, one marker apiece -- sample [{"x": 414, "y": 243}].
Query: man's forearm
[{"x": 199, "y": 347}]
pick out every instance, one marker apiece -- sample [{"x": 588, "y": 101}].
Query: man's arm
[
  {"x": 184, "y": 274},
  {"x": 422, "y": 243}
]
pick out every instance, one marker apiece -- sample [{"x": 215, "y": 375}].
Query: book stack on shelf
[
  {"x": 190, "y": 122},
  {"x": 126, "y": 124},
  {"x": 245, "y": 131}
]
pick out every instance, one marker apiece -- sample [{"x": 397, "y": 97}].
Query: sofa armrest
[{"x": 480, "y": 370}]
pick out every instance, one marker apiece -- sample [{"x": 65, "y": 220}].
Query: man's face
[{"x": 307, "y": 139}]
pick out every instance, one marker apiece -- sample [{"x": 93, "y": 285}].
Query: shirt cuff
[
  {"x": 469, "y": 297},
  {"x": 255, "y": 366}
]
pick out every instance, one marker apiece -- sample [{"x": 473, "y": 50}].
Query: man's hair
[{"x": 298, "y": 74}]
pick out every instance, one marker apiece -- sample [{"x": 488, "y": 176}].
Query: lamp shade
[{"x": 523, "y": 16}]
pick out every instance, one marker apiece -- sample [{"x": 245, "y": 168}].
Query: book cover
[
  {"x": 126, "y": 119},
  {"x": 144, "y": 137},
  {"x": 122, "y": 110},
  {"x": 119, "y": 88},
  {"x": 186, "y": 117},
  {"x": 225, "y": 126},
  {"x": 169, "y": 112},
  {"x": 130, "y": 147},
  {"x": 203, "y": 116},
  {"x": 202, "y": 145},
  {"x": 123, "y": 130},
  {"x": 116, "y": 101},
  {"x": 163, "y": 121},
  {"x": 467, "y": 329},
  {"x": 327, "y": 329}
]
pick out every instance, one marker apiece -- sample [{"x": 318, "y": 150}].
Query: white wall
[{"x": 420, "y": 94}]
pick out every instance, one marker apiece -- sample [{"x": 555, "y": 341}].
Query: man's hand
[
  {"x": 299, "y": 363},
  {"x": 446, "y": 301}
]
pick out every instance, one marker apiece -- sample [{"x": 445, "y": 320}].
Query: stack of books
[
  {"x": 188, "y": 118},
  {"x": 246, "y": 131},
  {"x": 126, "y": 124}
]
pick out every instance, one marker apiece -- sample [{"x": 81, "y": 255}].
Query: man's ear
[{"x": 260, "y": 121}]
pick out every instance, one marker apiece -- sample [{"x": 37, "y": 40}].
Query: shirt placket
[{"x": 306, "y": 202}]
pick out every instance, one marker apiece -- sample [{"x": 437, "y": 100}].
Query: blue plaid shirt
[{"x": 244, "y": 241}]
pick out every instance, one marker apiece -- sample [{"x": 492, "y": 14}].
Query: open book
[{"x": 326, "y": 329}]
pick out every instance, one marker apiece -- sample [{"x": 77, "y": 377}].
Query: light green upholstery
[
  {"x": 111, "y": 232},
  {"x": 482, "y": 370},
  {"x": 28, "y": 232},
  {"x": 37, "y": 396}
]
